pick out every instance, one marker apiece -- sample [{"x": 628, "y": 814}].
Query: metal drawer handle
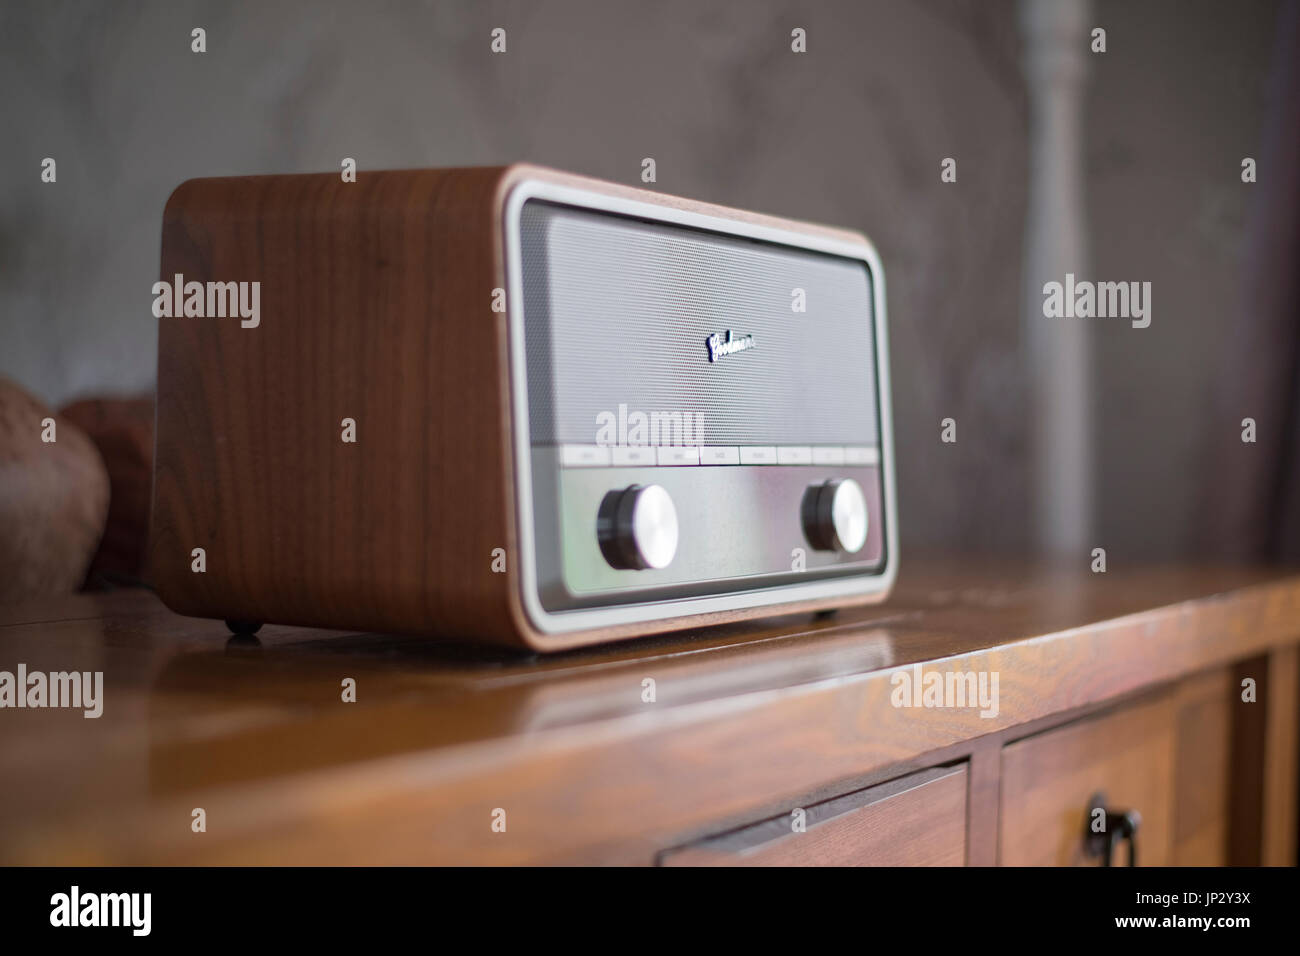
[{"x": 1102, "y": 832}]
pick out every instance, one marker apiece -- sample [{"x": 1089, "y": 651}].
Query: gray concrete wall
[{"x": 850, "y": 133}]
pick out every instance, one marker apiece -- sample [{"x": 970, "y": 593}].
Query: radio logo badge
[{"x": 722, "y": 343}]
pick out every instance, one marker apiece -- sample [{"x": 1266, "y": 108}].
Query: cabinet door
[
  {"x": 1203, "y": 777},
  {"x": 1049, "y": 782},
  {"x": 919, "y": 820}
]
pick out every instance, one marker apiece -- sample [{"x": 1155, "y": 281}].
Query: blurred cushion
[
  {"x": 53, "y": 499},
  {"x": 122, "y": 430}
]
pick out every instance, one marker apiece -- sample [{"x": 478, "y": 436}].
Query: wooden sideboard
[{"x": 694, "y": 749}]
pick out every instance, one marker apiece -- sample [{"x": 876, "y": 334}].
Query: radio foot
[{"x": 244, "y": 628}]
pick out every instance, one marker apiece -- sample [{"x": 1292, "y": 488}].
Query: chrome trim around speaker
[{"x": 561, "y": 622}]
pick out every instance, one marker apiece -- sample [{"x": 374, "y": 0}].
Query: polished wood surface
[
  {"x": 376, "y": 306},
  {"x": 1207, "y": 710},
  {"x": 918, "y": 820},
  {"x": 748, "y": 721},
  {"x": 1282, "y": 730},
  {"x": 1048, "y": 781}
]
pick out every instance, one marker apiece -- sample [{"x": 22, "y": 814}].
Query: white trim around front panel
[{"x": 561, "y": 622}]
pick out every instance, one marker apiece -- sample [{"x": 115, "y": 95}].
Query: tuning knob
[
  {"x": 637, "y": 528},
  {"x": 835, "y": 516}
]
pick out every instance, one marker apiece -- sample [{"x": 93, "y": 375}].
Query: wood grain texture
[
  {"x": 751, "y": 719},
  {"x": 1247, "y": 754},
  {"x": 1205, "y": 708},
  {"x": 376, "y": 305},
  {"x": 918, "y": 820},
  {"x": 985, "y": 773},
  {"x": 1282, "y": 703},
  {"x": 1048, "y": 782}
]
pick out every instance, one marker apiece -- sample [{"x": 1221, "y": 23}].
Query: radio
[{"x": 514, "y": 405}]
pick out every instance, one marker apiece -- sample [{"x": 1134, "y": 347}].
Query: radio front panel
[{"x": 736, "y": 376}]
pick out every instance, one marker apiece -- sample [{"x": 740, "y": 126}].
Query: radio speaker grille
[{"x": 618, "y": 311}]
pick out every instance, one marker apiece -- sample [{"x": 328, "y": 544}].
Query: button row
[{"x": 597, "y": 456}]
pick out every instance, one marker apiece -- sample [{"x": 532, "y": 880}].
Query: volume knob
[
  {"x": 637, "y": 528},
  {"x": 835, "y": 516}
]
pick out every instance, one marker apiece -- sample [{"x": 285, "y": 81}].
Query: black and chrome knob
[
  {"x": 637, "y": 528},
  {"x": 835, "y": 516}
]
